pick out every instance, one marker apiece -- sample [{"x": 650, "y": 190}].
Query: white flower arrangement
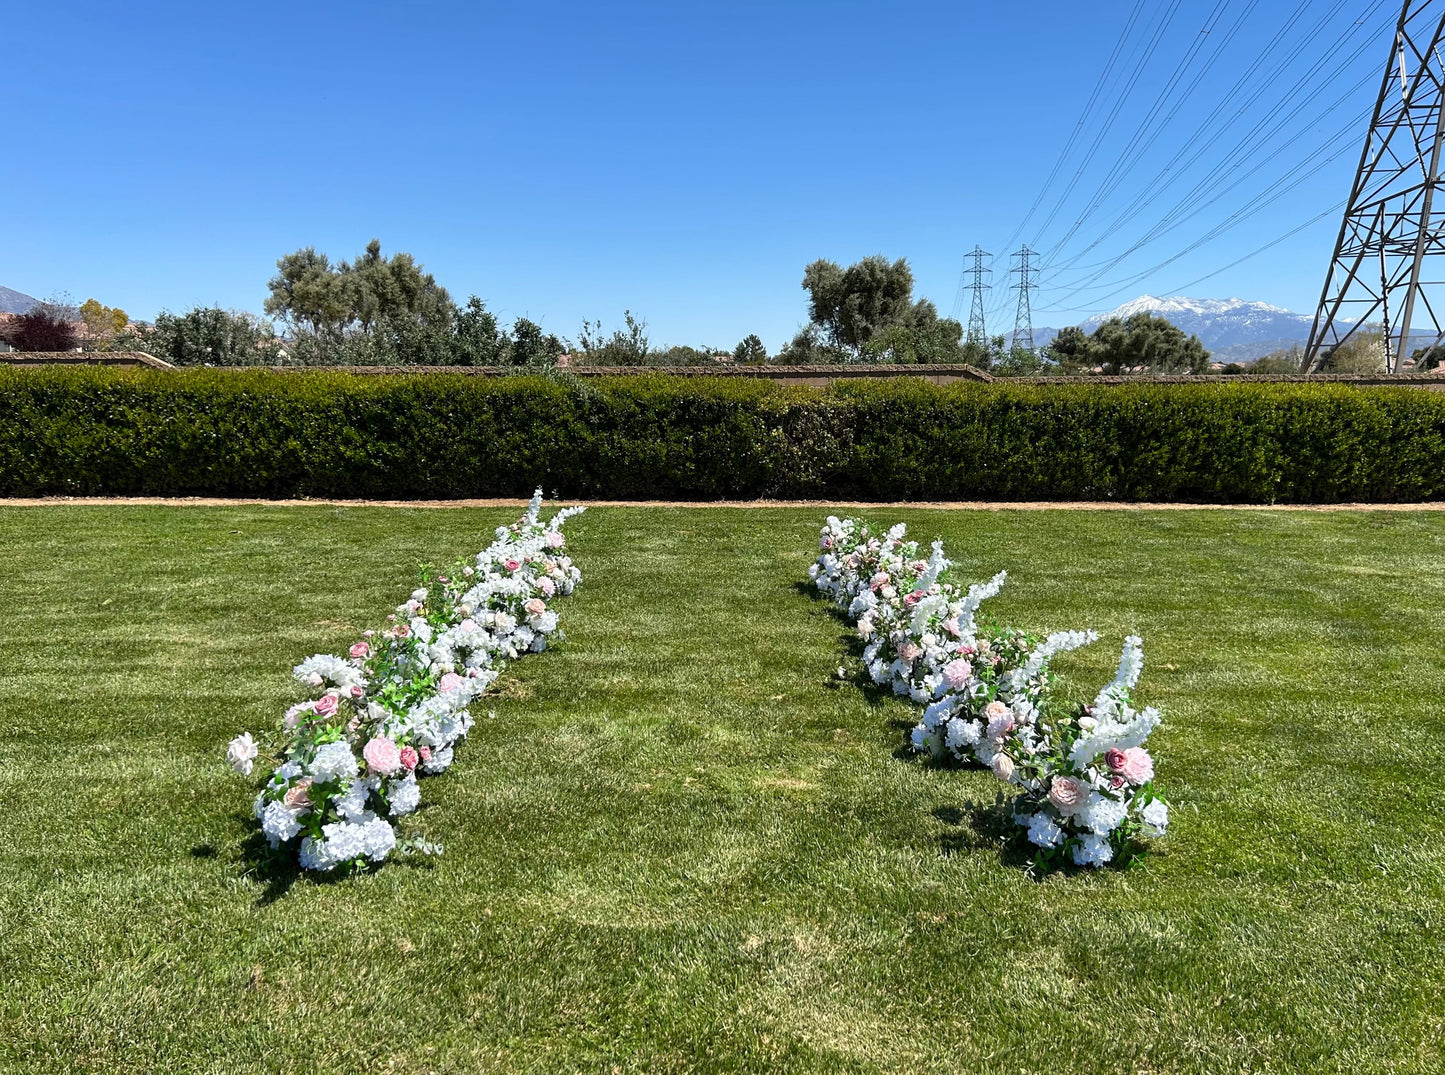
[
  {"x": 1086, "y": 779},
  {"x": 395, "y": 708}
]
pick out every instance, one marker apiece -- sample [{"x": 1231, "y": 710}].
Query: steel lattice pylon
[
  {"x": 1391, "y": 246},
  {"x": 977, "y": 334},
  {"x": 1024, "y": 318}
]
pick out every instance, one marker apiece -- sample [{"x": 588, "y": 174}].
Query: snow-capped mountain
[{"x": 1233, "y": 330}]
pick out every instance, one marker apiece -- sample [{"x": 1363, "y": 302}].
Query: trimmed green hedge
[{"x": 260, "y": 433}]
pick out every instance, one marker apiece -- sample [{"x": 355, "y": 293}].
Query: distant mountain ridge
[
  {"x": 1232, "y": 330},
  {"x": 14, "y": 302}
]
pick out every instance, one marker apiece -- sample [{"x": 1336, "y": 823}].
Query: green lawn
[{"x": 682, "y": 844}]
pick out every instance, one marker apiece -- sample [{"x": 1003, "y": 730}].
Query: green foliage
[
  {"x": 205, "y": 336},
  {"x": 1146, "y": 343},
  {"x": 101, "y": 320},
  {"x": 1072, "y": 349},
  {"x": 1288, "y": 360},
  {"x": 625, "y": 347},
  {"x": 308, "y": 292},
  {"x": 92, "y": 431},
  {"x": 1429, "y": 358},
  {"x": 1362, "y": 353},
  {"x": 750, "y": 351},
  {"x": 867, "y": 313},
  {"x": 1142, "y": 343}
]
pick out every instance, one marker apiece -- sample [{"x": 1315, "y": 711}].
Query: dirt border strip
[{"x": 943, "y": 505}]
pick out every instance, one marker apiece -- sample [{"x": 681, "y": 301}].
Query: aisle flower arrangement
[
  {"x": 395, "y": 707},
  {"x": 987, "y": 692}
]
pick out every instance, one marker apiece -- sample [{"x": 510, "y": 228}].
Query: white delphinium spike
[
  {"x": 1131, "y": 665},
  {"x": 978, "y": 593},
  {"x": 937, "y": 565},
  {"x": 1116, "y": 730},
  {"x": 1051, "y": 647},
  {"x": 534, "y": 507}
]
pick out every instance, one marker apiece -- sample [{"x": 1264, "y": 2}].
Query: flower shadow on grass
[
  {"x": 977, "y": 825},
  {"x": 277, "y": 869}
]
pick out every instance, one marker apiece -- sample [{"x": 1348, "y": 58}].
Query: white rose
[{"x": 241, "y": 752}]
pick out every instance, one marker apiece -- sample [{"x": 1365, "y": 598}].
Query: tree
[
  {"x": 479, "y": 339},
  {"x": 750, "y": 352},
  {"x": 1429, "y": 358},
  {"x": 46, "y": 326},
  {"x": 530, "y": 346},
  {"x": 1072, "y": 349},
  {"x": 308, "y": 293},
  {"x": 1287, "y": 360},
  {"x": 1146, "y": 343},
  {"x": 625, "y": 347},
  {"x": 210, "y": 336},
  {"x": 1362, "y": 353},
  {"x": 102, "y": 320},
  {"x": 867, "y": 311},
  {"x": 375, "y": 295}
]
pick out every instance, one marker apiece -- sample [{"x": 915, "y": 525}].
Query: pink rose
[
  {"x": 424, "y": 753},
  {"x": 999, "y": 725},
  {"x": 919, "y": 566},
  {"x": 865, "y": 627},
  {"x": 1068, "y": 794},
  {"x": 1114, "y": 758},
  {"x": 878, "y": 581},
  {"x": 1117, "y": 782},
  {"x": 382, "y": 756},
  {"x": 367, "y": 634},
  {"x": 951, "y": 626},
  {"x": 1003, "y": 767},
  {"x": 326, "y": 705},
  {"x": 909, "y": 651},
  {"x": 535, "y": 606},
  {"x": 409, "y": 758},
  {"x": 827, "y": 542},
  {"x": 547, "y": 586},
  {"x": 956, "y": 673},
  {"x": 468, "y": 624},
  {"x": 511, "y": 564},
  {"x": 1138, "y": 767},
  {"x": 449, "y": 682},
  {"x": 555, "y": 540},
  {"x": 297, "y": 795},
  {"x": 361, "y": 649},
  {"x": 357, "y": 692},
  {"x": 912, "y": 599},
  {"x": 402, "y": 630},
  {"x": 296, "y": 713}
]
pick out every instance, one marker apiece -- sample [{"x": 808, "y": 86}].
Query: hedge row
[{"x": 259, "y": 433}]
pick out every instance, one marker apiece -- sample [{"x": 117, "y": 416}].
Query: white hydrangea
[
  {"x": 1043, "y": 830},
  {"x": 325, "y": 669},
  {"x": 1102, "y": 814},
  {"x": 1155, "y": 817},
  {"x": 404, "y": 796},
  {"x": 278, "y": 824},
  {"x": 333, "y": 761},
  {"x": 1092, "y": 850}
]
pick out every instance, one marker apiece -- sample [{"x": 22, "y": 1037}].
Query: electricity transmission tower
[
  {"x": 1391, "y": 244},
  {"x": 1024, "y": 318},
  {"x": 976, "y": 332}
]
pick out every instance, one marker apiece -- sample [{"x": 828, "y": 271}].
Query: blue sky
[{"x": 684, "y": 160}]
